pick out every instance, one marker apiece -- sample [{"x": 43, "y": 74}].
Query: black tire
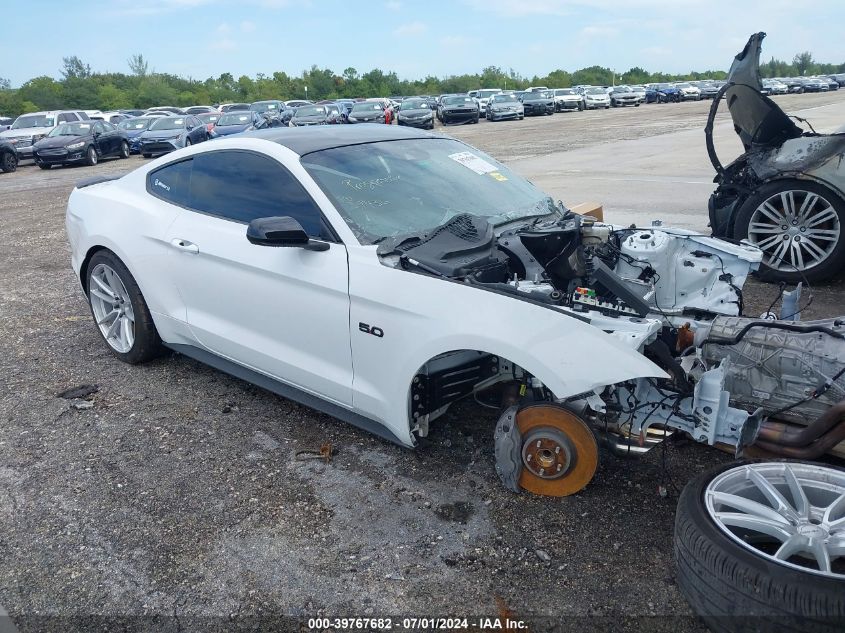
[
  {"x": 188, "y": 142},
  {"x": 43, "y": 166},
  {"x": 736, "y": 591},
  {"x": 147, "y": 155},
  {"x": 91, "y": 156},
  {"x": 835, "y": 261},
  {"x": 147, "y": 344},
  {"x": 9, "y": 162},
  {"x": 581, "y": 107},
  {"x": 124, "y": 150}
]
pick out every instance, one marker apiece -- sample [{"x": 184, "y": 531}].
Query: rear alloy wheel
[
  {"x": 120, "y": 311},
  {"x": 124, "y": 150},
  {"x": 91, "y": 157},
  {"x": 798, "y": 225},
  {"x": 9, "y": 162},
  {"x": 545, "y": 449},
  {"x": 760, "y": 547}
]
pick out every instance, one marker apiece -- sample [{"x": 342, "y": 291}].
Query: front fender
[{"x": 422, "y": 316}]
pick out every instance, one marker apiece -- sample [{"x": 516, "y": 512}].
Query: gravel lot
[{"x": 175, "y": 501}]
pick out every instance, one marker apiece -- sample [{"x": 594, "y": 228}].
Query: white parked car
[
  {"x": 568, "y": 99},
  {"x": 483, "y": 95},
  {"x": 595, "y": 97},
  {"x": 380, "y": 274},
  {"x": 31, "y": 127},
  {"x": 688, "y": 92}
]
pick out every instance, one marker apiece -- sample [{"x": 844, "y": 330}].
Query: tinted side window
[
  {"x": 172, "y": 182},
  {"x": 242, "y": 186}
]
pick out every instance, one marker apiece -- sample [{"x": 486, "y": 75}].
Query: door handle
[{"x": 185, "y": 245}]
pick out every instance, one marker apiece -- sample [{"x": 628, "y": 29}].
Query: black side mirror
[{"x": 281, "y": 231}]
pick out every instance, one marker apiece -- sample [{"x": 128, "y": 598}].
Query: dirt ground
[{"x": 176, "y": 502}]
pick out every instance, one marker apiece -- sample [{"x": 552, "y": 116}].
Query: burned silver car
[{"x": 786, "y": 192}]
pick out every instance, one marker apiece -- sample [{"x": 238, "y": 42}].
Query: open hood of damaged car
[{"x": 757, "y": 119}]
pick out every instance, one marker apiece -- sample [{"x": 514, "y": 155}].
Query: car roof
[{"x": 305, "y": 140}]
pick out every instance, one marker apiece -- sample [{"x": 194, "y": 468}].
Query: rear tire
[
  {"x": 735, "y": 589},
  {"x": 9, "y": 162},
  {"x": 146, "y": 343},
  {"x": 43, "y": 166},
  {"x": 147, "y": 155}
]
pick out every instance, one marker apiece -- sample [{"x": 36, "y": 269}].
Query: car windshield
[
  {"x": 168, "y": 123},
  {"x": 209, "y": 117},
  {"x": 622, "y": 89},
  {"x": 34, "y": 120},
  {"x": 234, "y": 119},
  {"x": 486, "y": 94},
  {"x": 71, "y": 129},
  {"x": 457, "y": 100},
  {"x": 396, "y": 188},
  {"x": 504, "y": 99},
  {"x": 364, "y": 108},
  {"x": 414, "y": 104},
  {"x": 564, "y": 91},
  {"x": 594, "y": 91},
  {"x": 683, "y": 86},
  {"x": 311, "y": 111},
  {"x": 537, "y": 94},
  {"x": 135, "y": 124},
  {"x": 264, "y": 106}
]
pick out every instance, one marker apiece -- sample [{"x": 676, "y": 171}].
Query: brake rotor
[{"x": 559, "y": 451}]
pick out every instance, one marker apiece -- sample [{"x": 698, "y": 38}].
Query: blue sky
[{"x": 202, "y": 38}]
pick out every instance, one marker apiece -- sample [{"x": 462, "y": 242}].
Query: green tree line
[{"x": 80, "y": 87}]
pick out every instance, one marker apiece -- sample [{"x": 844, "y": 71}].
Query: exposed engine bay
[{"x": 673, "y": 295}]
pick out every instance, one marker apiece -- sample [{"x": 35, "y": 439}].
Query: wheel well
[
  {"x": 454, "y": 375},
  {"x": 83, "y": 269}
]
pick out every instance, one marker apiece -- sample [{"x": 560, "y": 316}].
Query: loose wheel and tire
[
  {"x": 120, "y": 311},
  {"x": 760, "y": 547},
  {"x": 9, "y": 162},
  {"x": 91, "y": 157},
  {"x": 799, "y": 226},
  {"x": 124, "y": 150},
  {"x": 545, "y": 449}
]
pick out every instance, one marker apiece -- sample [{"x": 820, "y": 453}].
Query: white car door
[{"x": 281, "y": 311}]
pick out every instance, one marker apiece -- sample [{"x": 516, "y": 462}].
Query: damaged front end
[
  {"x": 785, "y": 192},
  {"x": 672, "y": 295}
]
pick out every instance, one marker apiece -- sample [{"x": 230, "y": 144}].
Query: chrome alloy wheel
[
  {"x": 790, "y": 513},
  {"x": 112, "y": 308},
  {"x": 795, "y": 229}
]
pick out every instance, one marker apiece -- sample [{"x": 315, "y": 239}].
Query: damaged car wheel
[
  {"x": 761, "y": 547},
  {"x": 545, "y": 449},
  {"x": 798, "y": 226}
]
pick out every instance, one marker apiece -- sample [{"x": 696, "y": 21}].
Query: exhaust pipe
[{"x": 810, "y": 442}]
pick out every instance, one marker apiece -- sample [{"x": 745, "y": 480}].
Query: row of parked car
[{"x": 86, "y": 136}]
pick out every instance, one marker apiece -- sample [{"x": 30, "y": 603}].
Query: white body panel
[{"x": 294, "y": 314}]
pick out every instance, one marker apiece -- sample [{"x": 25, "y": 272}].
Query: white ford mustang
[{"x": 380, "y": 274}]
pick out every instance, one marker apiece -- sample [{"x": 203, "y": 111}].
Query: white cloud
[
  {"x": 411, "y": 29},
  {"x": 393, "y": 5},
  {"x": 247, "y": 26},
  {"x": 224, "y": 28}
]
